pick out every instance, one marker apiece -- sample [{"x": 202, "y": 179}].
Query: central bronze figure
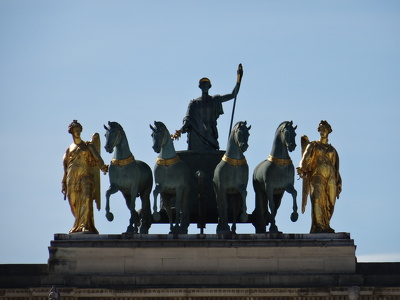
[{"x": 200, "y": 121}]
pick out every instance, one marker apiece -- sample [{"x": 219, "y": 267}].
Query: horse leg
[
  {"x": 291, "y": 190},
  {"x": 111, "y": 190},
  {"x": 145, "y": 213},
  {"x": 178, "y": 212},
  {"x": 238, "y": 206},
  {"x": 128, "y": 201},
  {"x": 166, "y": 201},
  {"x": 272, "y": 206},
  {"x": 185, "y": 210},
  {"x": 222, "y": 205},
  {"x": 234, "y": 200},
  {"x": 134, "y": 220},
  {"x": 243, "y": 216},
  {"x": 260, "y": 208},
  {"x": 156, "y": 192}
]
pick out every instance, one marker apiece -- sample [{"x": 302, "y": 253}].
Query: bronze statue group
[{"x": 319, "y": 169}]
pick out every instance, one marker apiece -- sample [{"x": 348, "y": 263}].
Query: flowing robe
[
  {"x": 321, "y": 164},
  {"x": 202, "y": 118},
  {"x": 79, "y": 166}
]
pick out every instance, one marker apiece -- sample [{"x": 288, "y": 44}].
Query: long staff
[{"x": 239, "y": 79}]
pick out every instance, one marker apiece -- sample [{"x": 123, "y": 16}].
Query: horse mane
[
  {"x": 239, "y": 124},
  {"x": 160, "y": 126},
  {"x": 283, "y": 123},
  {"x": 115, "y": 124}
]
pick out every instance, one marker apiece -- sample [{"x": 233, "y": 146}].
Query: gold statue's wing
[
  {"x": 306, "y": 187},
  {"x": 96, "y": 171}
]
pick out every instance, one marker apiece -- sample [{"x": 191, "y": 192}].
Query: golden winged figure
[
  {"x": 81, "y": 181},
  {"x": 96, "y": 171},
  {"x": 306, "y": 187},
  {"x": 319, "y": 168}
]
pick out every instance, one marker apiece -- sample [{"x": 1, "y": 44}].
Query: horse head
[
  {"x": 113, "y": 136},
  {"x": 160, "y": 135},
  {"x": 241, "y": 135},
  {"x": 288, "y": 135}
]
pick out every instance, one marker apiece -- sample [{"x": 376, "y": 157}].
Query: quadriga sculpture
[
  {"x": 230, "y": 179},
  {"x": 274, "y": 176},
  {"x": 132, "y": 177},
  {"x": 172, "y": 178}
]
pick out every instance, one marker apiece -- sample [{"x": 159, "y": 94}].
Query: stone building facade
[{"x": 200, "y": 266}]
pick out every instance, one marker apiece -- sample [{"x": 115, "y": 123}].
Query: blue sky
[{"x": 135, "y": 62}]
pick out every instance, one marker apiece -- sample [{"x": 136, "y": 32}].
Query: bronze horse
[
  {"x": 172, "y": 178},
  {"x": 274, "y": 176},
  {"x": 231, "y": 176},
  {"x": 132, "y": 177}
]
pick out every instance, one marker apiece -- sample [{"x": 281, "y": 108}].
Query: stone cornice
[{"x": 184, "y": 293}]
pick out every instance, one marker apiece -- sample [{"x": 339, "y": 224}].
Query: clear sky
[{"x": 135, "y": 62}]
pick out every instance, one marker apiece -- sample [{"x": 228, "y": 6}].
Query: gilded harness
[
  {"x": 167, "y": 162},
  {"x": 233, "y": 161},
  {"x": 122, "y": 162}
]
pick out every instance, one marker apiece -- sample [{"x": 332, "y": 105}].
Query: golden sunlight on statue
[
  {"x": 319, "y": 168},
  {"x": 81, "y": 181}
]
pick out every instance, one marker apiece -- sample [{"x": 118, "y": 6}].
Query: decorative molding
[{"x": 183, "y": 293}]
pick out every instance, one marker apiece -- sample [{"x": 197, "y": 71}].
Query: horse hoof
[
  {"x": 223, "y": 229},
  {"x": 110, "y": 216},
  {"x": 244, "y": 217},
  {"x": 273, "y": 229},
  {"x": 175, "y": 230},
  {"x": 144, "y": 230},
  {"x": 225, "y": 232},
  {"x": 294, "y": 216},
  {"x": 156, "y": 216},
  {"x": 233, "y": 229},
  {"x": 131, "y": 229}
]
